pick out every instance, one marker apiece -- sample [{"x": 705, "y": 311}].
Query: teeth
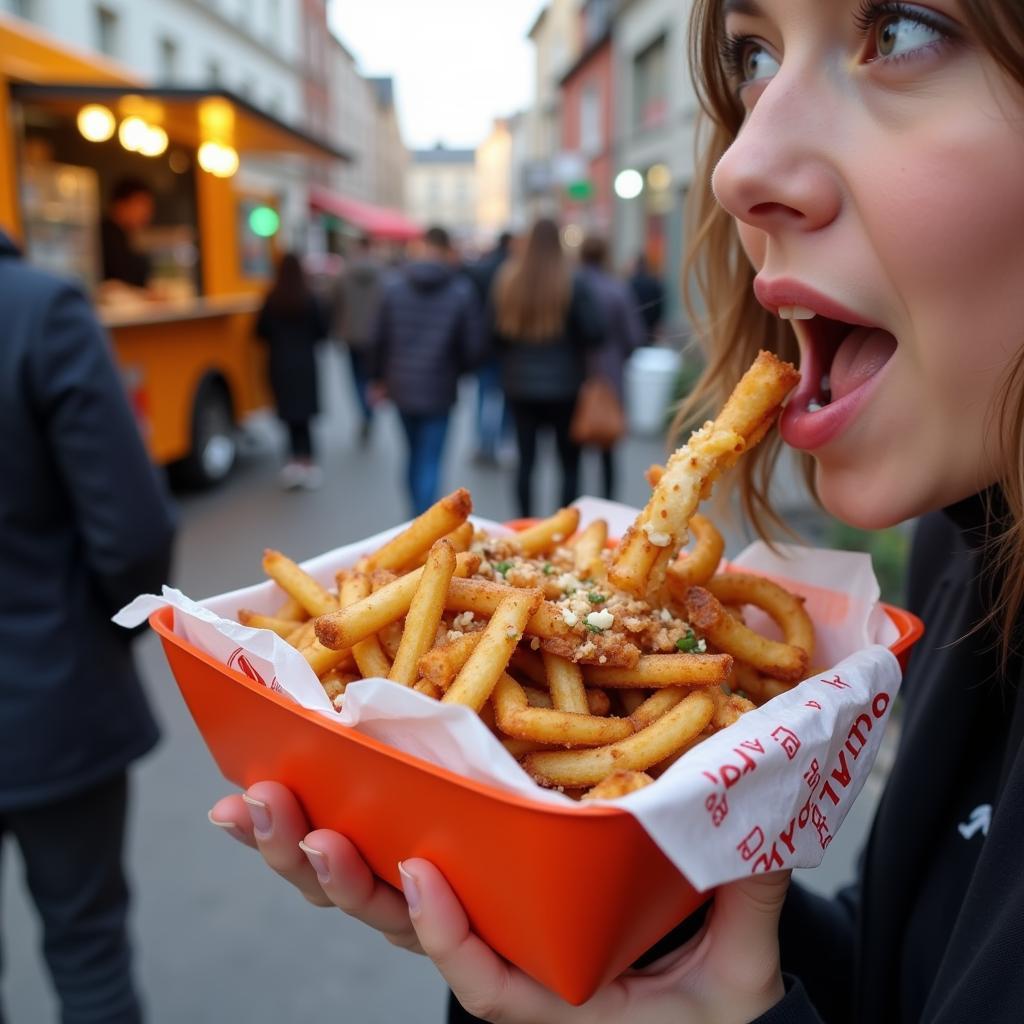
[
  {"x": 795, "y": 313},
  {"x": 813, "y": 405},
  {"x": 825, "y": 384}
]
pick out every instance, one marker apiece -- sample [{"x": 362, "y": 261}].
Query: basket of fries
[{"x": 584, "y": 737}]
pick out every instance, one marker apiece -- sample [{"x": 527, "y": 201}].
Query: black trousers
[
  {"x": 530, "y": 419},
  {"x": 300, "y": 439},
  {"x": 75, "y": 876}
]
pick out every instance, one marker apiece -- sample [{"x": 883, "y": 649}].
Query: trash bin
[{"x": 650, "y": 380}]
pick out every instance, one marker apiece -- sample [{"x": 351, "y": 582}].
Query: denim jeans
[{"x": 426, "y": 436}]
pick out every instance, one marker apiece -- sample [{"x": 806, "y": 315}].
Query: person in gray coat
[
  {"x": 85, "y": 525},
  {"x": 625, "y": 331},
  {"x": 428, "y": 334}
]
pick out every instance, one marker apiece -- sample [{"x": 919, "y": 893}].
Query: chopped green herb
[
  {"x": 502, "y": 567},
  {"x": 595, "y": 598},
  {"x": 548, "y": 569},
  {"x": 688, "y": 643},
  {"x": 593, "y": 628}
]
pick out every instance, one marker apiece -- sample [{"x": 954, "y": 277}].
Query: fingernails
[
  {"x": 260, "y": 814},
  {"x": 411, "y": 890},
  {"x": 227, "y": 826},
  {"x": 319, "y": 862}
]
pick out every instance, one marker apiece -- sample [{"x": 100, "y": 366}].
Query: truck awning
[{"x": 378, "y": 222}]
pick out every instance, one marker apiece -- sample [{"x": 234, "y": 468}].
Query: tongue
[{"x": 863, "y": 352}]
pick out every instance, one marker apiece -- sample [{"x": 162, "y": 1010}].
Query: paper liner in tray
[{"x": 768, "y": 792}]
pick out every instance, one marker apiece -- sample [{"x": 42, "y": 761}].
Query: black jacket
[
  {"x": 551, "y": 370},
  {"x": 934, "y": 931},
  {"x": 428, "y": 335},
  {"x": 84, "y": 526},
  {"x": 292, "y": 339}
]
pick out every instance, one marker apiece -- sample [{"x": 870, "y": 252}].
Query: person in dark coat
[
  {"x": 292, "y": 322},
  {"x": 625, "y": 332},
  {"x": 650, "y": 296},
  {"x": 428, "y": 335},
  {"x": 543, "y": 321},
  {"x": 85, "y": 526}
]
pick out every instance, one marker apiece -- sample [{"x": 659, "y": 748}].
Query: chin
[{"x": 846, "y": 497}]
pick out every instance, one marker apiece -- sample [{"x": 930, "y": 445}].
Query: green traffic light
[{"x": 264, "y": 221}]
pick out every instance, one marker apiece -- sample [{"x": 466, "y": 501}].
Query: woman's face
[{"x": 878, "y": 182}]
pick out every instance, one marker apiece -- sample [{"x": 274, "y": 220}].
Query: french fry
[
  {"x": 369, "y": 657},
  {"x": 547, "y": 533},
  {"x": 658, "y": 670},
  {"x": 298, "y": 583},
  {"x": 700, "y": 564},
  {"x": 516, "y": 718},
  {"x": 291, "y": 609},
  {"x": 618, "y": 784},
  {"x": 282, "y": 627},
  {"x": 638, "y": 752},
  {"x": 390, "y": 637},
  {"x": 322, "y": 659},
  {"x": 460, "y": 539},
  {"x": 587, "y": 551},
  {"x": 658, "y": 704},
  {"x": 442, "y": 517},
  {"x": 482, "y": 597},
  {"x": 425, "y": 613},
  {"x": 335, "y": 683},
  {"x": 425, "y": 686},
  {"x": 565, "y": 681},
  {"x": 478, "y": 677},
  {"x": 442, "y": 664},
  {"x": 303, "y": 634},
  {"x": 597, "y": 700},
  {"x": 347, "y": 626}
]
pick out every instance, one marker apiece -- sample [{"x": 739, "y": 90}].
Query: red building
[{"x": 588, "y": 117}]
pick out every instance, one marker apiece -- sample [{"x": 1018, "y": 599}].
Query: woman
[
  {"x": 542, "y": 321},
  {"x": 865, "y": 218},
  {"x": 292, "y": 323}
]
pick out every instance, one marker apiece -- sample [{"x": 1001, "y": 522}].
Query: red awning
[{"x": 376, "y": 221}]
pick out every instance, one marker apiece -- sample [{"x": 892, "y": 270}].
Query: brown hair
[
  {"x": 736, "y": 325},
  {"x": 533, "y": 290}
]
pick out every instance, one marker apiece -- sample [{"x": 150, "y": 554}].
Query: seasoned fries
[{"x": 592, "y": 665}]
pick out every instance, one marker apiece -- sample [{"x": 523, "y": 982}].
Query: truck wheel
[{"x": 214, "y": 445}]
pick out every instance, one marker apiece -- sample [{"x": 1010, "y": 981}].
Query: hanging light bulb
[
  {"x": 133, "y": 133},
  {"x": 95, "y": 122}
]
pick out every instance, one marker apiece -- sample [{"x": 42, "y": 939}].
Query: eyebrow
[{"x": 741, "y": 7}]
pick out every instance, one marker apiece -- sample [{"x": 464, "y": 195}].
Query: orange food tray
[{"x": 572, "y": 896}]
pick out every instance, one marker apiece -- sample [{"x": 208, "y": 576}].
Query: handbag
[{"x": 597, "y": 418}]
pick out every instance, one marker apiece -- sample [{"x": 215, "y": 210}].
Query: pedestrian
[
  {"x": 542, "y": 321},
  {"x": 355, "y": 303},
  {"x": 428, "y": 334},
  {"x": 624, "y": 333},
  {"x": 85, "y": 525},
  {"x": 858, "y": 206},
  {"x": 292, "y": 322},
  {"x": 493, "y": 420},
  {"x": 649, "y": 292}
]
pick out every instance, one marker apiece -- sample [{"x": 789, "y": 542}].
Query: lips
[{"x": 842, "y": 356}]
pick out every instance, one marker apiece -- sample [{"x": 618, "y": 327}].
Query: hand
[{"x": 727, "y": 974}]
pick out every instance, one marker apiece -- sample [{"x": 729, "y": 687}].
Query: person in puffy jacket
[
  {"x": 428, "y": 334},
  {"x": 543, "y": 320}
]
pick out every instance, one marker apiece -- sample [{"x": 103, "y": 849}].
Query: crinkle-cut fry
[
  {"x": 482, "y": 597},
  {"x": 516, "y": 718},
  {"x": 661, "y": 528},
  {"x": 282, "y": 627},
  {"x": 546, "y": 534},
  {"x": 461, "y": 538},
  {"x": 658, "y": 670},
  {"x": 697, "y": 566},
  {"x": 441, "y": 665},
  {"x": 441, "y": 518},
  {"x": 618, "y": 784},
  {"x": 478, "y": 677},
  {"x": 587, "y": 550},
  {"x": 673, "y": 730},
  {"x": 296, "y": 582},
  {"x": 657, "y": 705},
  {"x": 368, "y": 654},
  {"x": 706, "y": 613},
  {"x": 786, "y": 609},
  {"x": 597, "y": 700},
  {"x": 565, "y": 682},
  {"x": 291, "y": 609},
  {"x": 347, "y": 626},
  {"x": 594, "y": 649},
  {"x": 424, "y": 614}
]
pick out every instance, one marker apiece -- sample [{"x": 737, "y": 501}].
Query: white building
[
  {"x": 442, "y": 190},
  {"x": 353, "y": 125}
]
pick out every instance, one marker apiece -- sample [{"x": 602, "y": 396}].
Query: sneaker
[
  {"x": 292, "y": 476},
  {"x": 312, "y": 477}
]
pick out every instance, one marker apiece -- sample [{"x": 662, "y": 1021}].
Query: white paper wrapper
[{"x": 769, "y": 792}]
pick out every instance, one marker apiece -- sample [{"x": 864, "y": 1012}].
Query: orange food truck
[{"x": 73, "y": 125}]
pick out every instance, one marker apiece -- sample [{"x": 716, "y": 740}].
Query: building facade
[
  {"x": 494, "y": 182},
  {"x": 443, "y": 190},
  {"x": 390, "y": 157}
]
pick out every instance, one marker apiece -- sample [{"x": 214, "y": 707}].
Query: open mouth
[{"x": 837, "y": 358}]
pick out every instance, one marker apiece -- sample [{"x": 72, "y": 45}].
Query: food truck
[{"x": 73, "y": 125}]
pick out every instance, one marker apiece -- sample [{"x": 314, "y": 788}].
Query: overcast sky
[{"x": 457, "y": 64}]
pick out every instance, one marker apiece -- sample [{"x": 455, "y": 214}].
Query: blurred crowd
[{"x": 545, "y": 334}]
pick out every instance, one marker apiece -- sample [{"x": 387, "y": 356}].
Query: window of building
[
  {"x": 597, "y": 17},
  {"x": 106, "y": 30},
  {"x": 168, "y": 59},
  {"x": 650, "y": 85},
  {"x": 591, "y": 133}
]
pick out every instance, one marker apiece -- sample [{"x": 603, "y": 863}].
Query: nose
[{"x": 780, "y": 174}]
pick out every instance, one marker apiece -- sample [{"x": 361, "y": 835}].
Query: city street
[{"x": 219, "y": 939}]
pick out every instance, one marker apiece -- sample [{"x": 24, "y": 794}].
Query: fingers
[
  {"x": 232, "y": 816},
  {"x": 486, "y": 985}
]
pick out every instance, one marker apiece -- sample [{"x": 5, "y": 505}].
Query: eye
[
  {"x": 894, "y": 31},
  {"x": 896, "y": 35},
  {"x": 747, "y": 60}
]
